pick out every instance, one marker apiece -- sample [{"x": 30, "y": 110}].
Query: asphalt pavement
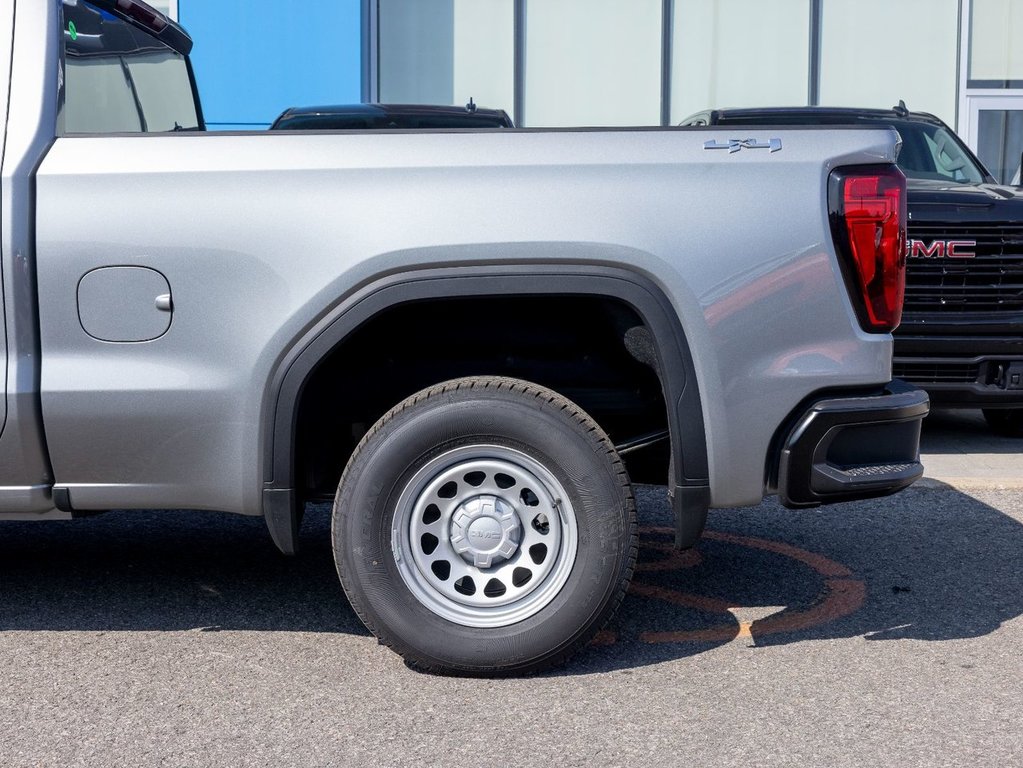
[
  {"x": 958, "y": 449},
  {"x": 875, "y": 633}
]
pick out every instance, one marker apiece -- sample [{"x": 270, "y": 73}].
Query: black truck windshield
[{"x": 933, "y": 152}]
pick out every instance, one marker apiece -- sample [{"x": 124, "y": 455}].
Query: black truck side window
[{"x": 117, "y": 78}]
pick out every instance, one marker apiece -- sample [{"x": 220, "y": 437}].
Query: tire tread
[{"x": 583, "y": 419}]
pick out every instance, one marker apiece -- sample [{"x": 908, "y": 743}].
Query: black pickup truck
[
  {"x": 363, "y": 117},
  {"x": 961, "y": 336}
]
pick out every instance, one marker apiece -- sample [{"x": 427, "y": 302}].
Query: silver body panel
[
  {"x": 25, "y": 476},
  {"x": 260, "y": 236}
]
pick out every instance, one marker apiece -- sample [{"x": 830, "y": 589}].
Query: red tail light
[{"x": 868, "y": 220}]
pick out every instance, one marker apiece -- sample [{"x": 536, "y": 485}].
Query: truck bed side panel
[{"x": 260, "y": 235}]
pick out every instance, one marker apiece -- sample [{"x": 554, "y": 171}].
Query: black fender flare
[{"x": 689, "y": 486}]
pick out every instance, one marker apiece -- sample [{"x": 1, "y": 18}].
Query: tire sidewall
[{"x": 581, "y": 460}]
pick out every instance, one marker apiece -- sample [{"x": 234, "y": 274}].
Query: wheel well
[{"x": 573, "y": 344}]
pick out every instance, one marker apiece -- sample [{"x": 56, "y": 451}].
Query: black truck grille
[
  {"x": 949, "y": 372},
  {"x": 991, "y": 283}
]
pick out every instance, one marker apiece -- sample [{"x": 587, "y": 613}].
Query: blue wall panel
[{"x": 255, "y": 58}]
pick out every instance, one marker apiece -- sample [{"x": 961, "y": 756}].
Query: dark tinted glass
[
  {"x": 933, "y": 152},
  {"x": 120, "y": 79}
]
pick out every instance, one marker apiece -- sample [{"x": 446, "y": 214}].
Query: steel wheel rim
[{"x": 484, "y": 536}]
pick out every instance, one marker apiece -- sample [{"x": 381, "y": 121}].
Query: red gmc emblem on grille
[{"x": 942, "y": 249}]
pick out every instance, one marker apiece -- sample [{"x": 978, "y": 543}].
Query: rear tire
[
  {"x": 485, "y": 526},
  {"x": 1007, "y": 422}
]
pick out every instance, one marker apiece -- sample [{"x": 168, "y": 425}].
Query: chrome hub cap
[{"x": 484, "y": 536}]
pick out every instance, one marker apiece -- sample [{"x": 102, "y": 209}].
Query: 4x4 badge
[{"x": 734, "y": 145}]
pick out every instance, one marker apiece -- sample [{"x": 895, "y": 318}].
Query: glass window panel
[
  {"x": 164, "y": 90},
  {"x": 932, "y": 152},
  {"x": 1000, "y": 143},
  {"x": 98, "y": 99},
  {"x": 416, "y": 45},
  {"x": 861, "y": 66},
  {"x": 447, "y": 51},
  {"x": 995, "y": 33},
  {"x": 118, "y": 78},
  {"x": 484, "y": 42},
  {"x": 593, "y": 62},
  {"x": 739, "y": 53}
]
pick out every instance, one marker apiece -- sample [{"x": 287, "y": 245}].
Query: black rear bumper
[{"x": 859, "y": 447}]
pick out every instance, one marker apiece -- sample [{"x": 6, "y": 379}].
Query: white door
[{"x": 995, "y": 133}]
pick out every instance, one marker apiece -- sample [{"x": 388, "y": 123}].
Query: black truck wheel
[
  {"x": 1007, "y": 422},
  {"x": 485, "y": 526}
]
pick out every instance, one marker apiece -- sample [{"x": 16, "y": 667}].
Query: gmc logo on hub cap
[{"x": 942, "y": 249}]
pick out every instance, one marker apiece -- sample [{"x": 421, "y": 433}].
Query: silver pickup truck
[{"x": 469, "y": 340}]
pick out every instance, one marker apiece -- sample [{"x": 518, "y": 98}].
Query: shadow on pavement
[
  {"x": 928, "y": 564},
  {"x": 169, "y": 570},
  {"x": 963, "y": 431}
]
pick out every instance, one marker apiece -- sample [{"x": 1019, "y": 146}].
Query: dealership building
[{"x": 617, "y": 62}]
